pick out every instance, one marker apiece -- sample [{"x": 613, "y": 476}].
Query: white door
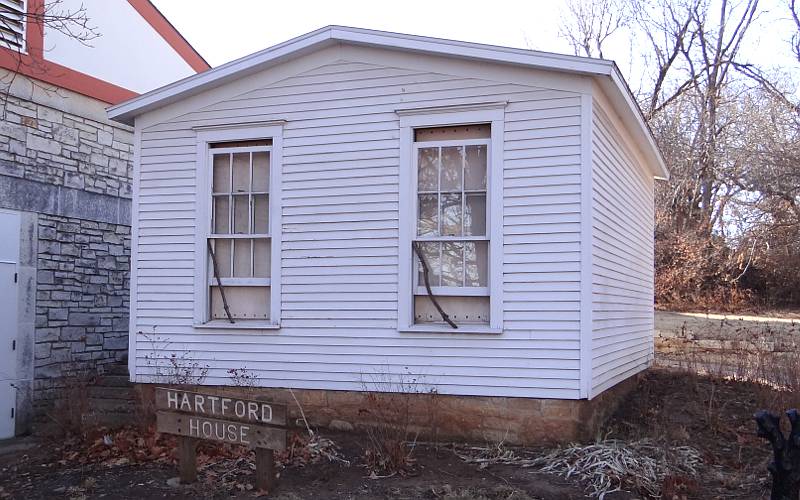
[{"x": 9, "y": 256}]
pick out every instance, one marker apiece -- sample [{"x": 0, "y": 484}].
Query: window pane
[
  {"x": 222, "y": 254},
  {"x": 475, "y": 169},
  {"x": 241, "y": 258},
  {"x": 453, "y": 264},
  {"x": 476, "y": 255},
  {"x": 430, "y": 252},
  {"x": 221, "y": 222},
  {"x": 241, "y": 172},
  {"x": 261, "y": 214},
  {"x": 245, "y": 302},
  {"x": 428, "y": 217},
  {"x": 475, "y": 215},
  {"x": 261, "y": 258},
  {"x": 261, "y": 171},
  {"x": 428, "y": 169},
  {"x": 241, "y": 214},
  {"x": 452, "y": 166},
  {"x": 222, "y": 174},
  {"x": 451, "y": 214},
  {"x": 462, "y": 310}
]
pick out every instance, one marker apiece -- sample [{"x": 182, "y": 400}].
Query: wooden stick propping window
[
  {"x": 426, "y": 279},
  {"x": 219, "y": 282}
]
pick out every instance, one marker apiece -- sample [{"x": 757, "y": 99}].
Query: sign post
[{"x": 193, "y": 416}]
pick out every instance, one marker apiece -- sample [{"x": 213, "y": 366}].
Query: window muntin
[
  {"x": 452, "y": 222},
  {"x": 240, "y": 230}
]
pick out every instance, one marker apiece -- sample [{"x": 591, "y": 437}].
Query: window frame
[
  {"x": 203, "y": 230},
  {"x": 459, "y": 115}
]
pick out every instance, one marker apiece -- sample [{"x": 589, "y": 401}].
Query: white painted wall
[
  {"x": 622, "y": 253},
  {"x": 340, "y": 221},
  {"x": 129, "y": 53}
]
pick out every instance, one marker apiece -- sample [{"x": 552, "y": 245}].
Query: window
[
  {"x": 451, "y": 219},
  {"x": 238, "y": 278},
  {"x": 12, "y": 24},
  {"x": 451, "y": 230},
  {"x": 239, "y": 241}
]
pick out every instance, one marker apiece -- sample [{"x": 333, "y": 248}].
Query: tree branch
[{"x": 426, "y": 278}]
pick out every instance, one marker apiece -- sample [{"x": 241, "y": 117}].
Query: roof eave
[
  {"x": 641, "y": 129},
  {"x": 127, "y": 111}
]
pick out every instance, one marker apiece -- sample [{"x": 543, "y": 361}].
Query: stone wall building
[
  {"x": 65, "y": 197},
  {"x": 69, "y": 177}
]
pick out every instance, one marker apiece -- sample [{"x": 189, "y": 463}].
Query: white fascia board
[
  {"x": 469, "y": 50},
  {"x": 622, "y": 98},
  {"x": 126, "y": 111}
]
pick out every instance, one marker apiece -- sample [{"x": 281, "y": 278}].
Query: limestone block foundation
[{"x": 516, "y": 421}]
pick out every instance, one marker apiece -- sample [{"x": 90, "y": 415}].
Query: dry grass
[
  {"x": 612, "y": 465},
  {"x": 608, "y": 466}
]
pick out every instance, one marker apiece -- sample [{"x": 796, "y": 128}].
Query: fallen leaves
[{"x": 128, "y": 445}]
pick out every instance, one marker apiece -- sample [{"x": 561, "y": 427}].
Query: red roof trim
[
  {"x": 32, "y": 64},
  {"x": 34, "y": 29},
  {"x": 61, "y": 76},
  {"x": 172, "y": 36}
]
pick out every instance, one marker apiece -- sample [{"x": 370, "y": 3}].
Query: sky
[
  {"x": 254, "y": 25},
  {"x": 246, "y": 26}
]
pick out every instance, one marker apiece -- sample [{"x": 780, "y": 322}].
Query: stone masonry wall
[
  {"x": 43, "y": 144},
  {"x": 82, "y": 300},
  {"x": 69, "y": 171}
]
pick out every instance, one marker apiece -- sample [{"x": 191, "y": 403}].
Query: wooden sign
[{"x": 193, "y": 416}]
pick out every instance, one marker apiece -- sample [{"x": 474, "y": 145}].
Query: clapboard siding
[
  {"x": 622, "y": 257},
  {"x": 340, "y": 229}
]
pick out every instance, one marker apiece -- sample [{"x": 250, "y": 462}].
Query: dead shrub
[
  {"x": 169, "y": 366},
  {"x": 392, "y": 426},
  {"x": 246, "y": 380},
  {"x": 698, "y": 270},
  {"x": 71, "y": 411},
  {"x": 695, "y": 272}
]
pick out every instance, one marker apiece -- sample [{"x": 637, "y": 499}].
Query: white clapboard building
[{"x": 300, "y": 185}]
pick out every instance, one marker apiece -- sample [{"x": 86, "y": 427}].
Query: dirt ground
[
  {"x": 437, "y": 474},
  {"x": 671, "y": 408},
  {"x": 713, "y": 415},
  {"x": 674, "y": 407}
]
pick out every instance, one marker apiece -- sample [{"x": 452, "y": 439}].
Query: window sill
[
  {"x": 240, "y": 325},
  {"x": 473, "y": 329}
]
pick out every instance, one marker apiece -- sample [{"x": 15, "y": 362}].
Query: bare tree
[
  {"x": 729, "y": 129},
  {"x": 671, "y": 32},
  {"x": 589, "y": 23},
  {"x": 794, "y": 10}
]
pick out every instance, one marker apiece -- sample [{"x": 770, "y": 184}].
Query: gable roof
[
  {"x": 170, "y": 34},
  {"x": 606, "y": 73}
]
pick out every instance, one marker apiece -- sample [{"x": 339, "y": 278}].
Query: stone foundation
[{"x": 516, "y": 421}]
